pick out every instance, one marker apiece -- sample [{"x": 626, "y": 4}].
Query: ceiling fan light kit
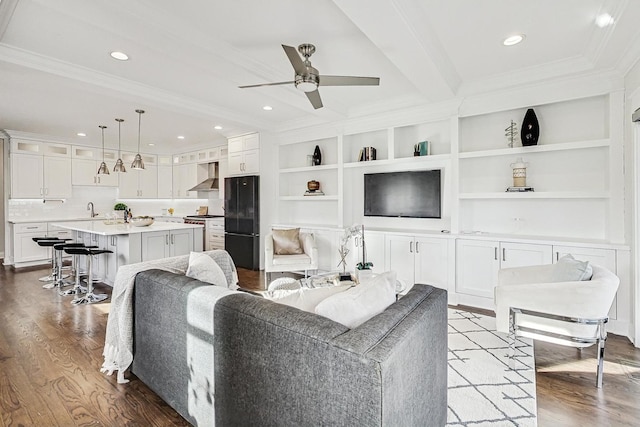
[{"x": 307, "y": 78}]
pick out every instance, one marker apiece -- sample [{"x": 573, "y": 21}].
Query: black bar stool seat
[{"x": 47, "y": 241}]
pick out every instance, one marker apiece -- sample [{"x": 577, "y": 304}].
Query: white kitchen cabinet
[
  {"x": 244, "y": 155},
  {"x": 35, "y": 176},
  {"x": 165, "y": 182},
  {"x": 163, "y": 244},
  {"x": 478, "y": 262},
  {"x": 25, "y": 250},
  {"x": 418, "y": 259},
  {"x": 124, "y": 251},
  {"x": 185, "y": 176},
  {"x": 85, "y": 172},
  {"x": 139, "y": 184}
]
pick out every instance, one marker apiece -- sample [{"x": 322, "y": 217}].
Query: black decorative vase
[
  {"x": 530, "y": 128},
  {"x": 317, "y": 156}
]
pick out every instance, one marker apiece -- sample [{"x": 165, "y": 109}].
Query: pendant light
[
  {"x": 119, "y": 167},
  {"x": 137, "y": 162},
  {"x": 103, "y": 169}
]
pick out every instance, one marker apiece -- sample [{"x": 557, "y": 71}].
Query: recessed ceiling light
[
  {"x": 603, "y": 20},
  {"x": 180, "y": 137},
  {"x": 120, "y": 56},
  {"x": 217, "y": 127},
  {"x": 81, "y": 134},
  {"x": 267, "y": 108},
  {"x": 515, "y": 39},
  {"x": 151, "y": 144}
]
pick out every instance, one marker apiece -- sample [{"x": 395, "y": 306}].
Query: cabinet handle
[
  {"x": 504, "y": 254},
  {"x": 31, "y": 228},
  {"x": 95, "y": 181},
  {"x": 173, "y": 239},
  {"x": 557, "y": 255},
  {"x": 495, "y": 253},
  {"x": 98, "y": 180},
  {"x": 167, "y": 239},
  {"x": 411, "y": 247},
  {"x": 417, "y": 247},
  {"x": 46, "y": 191},
  {"x": 41, "y": 191}
]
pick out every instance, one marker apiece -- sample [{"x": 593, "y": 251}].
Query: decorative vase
[
  {"x": 530, "y": 128},
  {"x": 317, "y": 156}
]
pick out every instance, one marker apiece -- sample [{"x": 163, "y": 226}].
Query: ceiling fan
[{"x": 307, "y": 78}]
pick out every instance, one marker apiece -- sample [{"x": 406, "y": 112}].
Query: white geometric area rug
[{"x": 483, "y": 391}]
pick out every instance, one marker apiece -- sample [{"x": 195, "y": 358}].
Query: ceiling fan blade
[
  {"x": 266, "y": 84},
  {"x": 348, "y": 81},
  {"x": 314, "y": 97},
  {"x": 294, "y": 58}
]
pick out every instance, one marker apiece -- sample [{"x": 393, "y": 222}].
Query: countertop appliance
[
  {"x": 242, "y": 220},
  {"x": 213, "y": 235}
]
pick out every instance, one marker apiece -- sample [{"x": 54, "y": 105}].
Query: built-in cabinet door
[
  {"x": 83, "y": 172},
  {"x": 148, "y": 182},
  {"x": 26, "y": 176},
  {"x": 57, "y": 177},
  {"x": 190, "y": 179},
  {"x": 432, "y": 262},
  {"x": 524, "y": 254},
  {"x": 165, "y": 182},
  {"x": 155, "y": 245},
  {"x": 25, "y": 249},
  {"x": 235, "y": 161},
  {"x": 251, "y": 161},
  {"x": 477, "y": 265},
  {"x": 181, "y": 242},
  {"x": 400, "y": 257},
  {"x": 128, "y": 188},
  {"x": 110, "y": 180},
  {"x": 374, "y": 244}
]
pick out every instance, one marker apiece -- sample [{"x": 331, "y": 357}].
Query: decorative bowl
[{"x": 141, "y": 221}]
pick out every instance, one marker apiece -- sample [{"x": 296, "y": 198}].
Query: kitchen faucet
[{"x": 90, "y": 208}]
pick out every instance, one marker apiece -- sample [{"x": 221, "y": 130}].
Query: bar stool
[
  {"x": 55, "y": 274},
  {"x": 77, "y": 283},
  {"x": 49, "y": 277},
  {"x": 90, "y": 297},
  {"x": 58, "y": 248}
]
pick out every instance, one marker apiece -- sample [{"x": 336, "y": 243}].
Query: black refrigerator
[{"x": 242, "y": 220}]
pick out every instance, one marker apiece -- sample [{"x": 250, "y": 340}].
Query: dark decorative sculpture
[
  {"x": 317, "y": 156},
  {"x": 530, "y": 128}
]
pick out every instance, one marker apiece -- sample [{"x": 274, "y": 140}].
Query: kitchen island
[{"x": 131, "y": 244}]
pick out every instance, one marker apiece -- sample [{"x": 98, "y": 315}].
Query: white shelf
[
  {"x": 309, "y": 168},
  {"x": 538, "y": 195},
  {"x": 579, "y": 145},
  {"x": 310, "y": 198},
  {"x": 415, "y": 160}
]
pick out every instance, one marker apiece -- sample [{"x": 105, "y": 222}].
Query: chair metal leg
[
  {"x": 77, "y": 287},
  {"x": 512, "y": 339},
  {"x": 602, "y": 339}
]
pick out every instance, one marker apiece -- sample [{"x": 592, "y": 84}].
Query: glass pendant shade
[
  {"x": 103, "y": 169},
  {"x": 119, "y": 167},
  {"x": 137, "y": 161}
]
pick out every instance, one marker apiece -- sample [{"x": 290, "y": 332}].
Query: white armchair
[
  {"x": 529, "y": 304},
  {"x": 306, "y": 261}
]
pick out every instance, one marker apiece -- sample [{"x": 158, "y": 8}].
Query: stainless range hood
[{"x": 211, "y": 183}]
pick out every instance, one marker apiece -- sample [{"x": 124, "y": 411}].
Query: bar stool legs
[
  {"x": 77, "y": 289},
  {"x": 90, "y": 297}
]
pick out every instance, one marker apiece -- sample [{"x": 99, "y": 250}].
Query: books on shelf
[
  {"x": 313, "y": 193},
  {"x": 518, "y": 189}
]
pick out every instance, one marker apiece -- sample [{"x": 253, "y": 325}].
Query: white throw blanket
[{"x": 118, "y": 345}]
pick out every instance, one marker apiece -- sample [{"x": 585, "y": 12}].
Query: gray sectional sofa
[{"x": 275, "y": 365}]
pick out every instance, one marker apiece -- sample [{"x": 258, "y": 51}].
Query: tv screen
[{"x": 412, "y": 194}]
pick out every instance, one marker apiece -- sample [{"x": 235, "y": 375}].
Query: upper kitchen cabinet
[
  {"x": 142, "y": 183},
  {"x": 85, "y": 164},
  {"x": 40, "y": 170},
  {"x": 165, "y": 177},
  {"x": 185, "y": 176},
  {"x": 244, "y": 155}
]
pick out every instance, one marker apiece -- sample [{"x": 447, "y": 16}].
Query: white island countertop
[{"x": 99, "y": 227}]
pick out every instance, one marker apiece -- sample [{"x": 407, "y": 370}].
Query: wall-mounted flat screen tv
[{"x": 410, "y": 194}]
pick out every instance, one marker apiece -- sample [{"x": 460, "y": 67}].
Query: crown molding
[{"x": 7, "y": 7}]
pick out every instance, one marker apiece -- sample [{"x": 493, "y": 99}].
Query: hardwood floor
[{"x": 51, "y": 352}]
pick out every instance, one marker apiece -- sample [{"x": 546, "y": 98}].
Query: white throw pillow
[
  {"x": 202, "y": 267},
  {"x": 355, "y": 306},
  {"x": 304, "y": 298},
  {"x": 569, "y": 269}
]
